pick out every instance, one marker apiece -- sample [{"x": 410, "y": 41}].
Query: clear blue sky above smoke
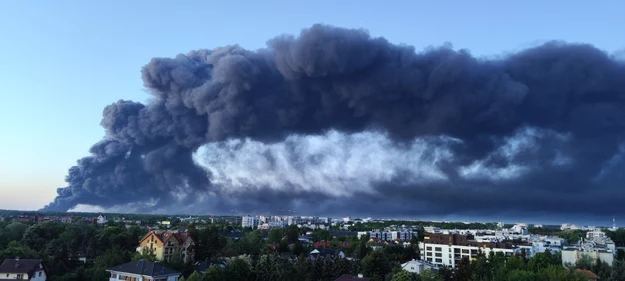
[{"x": 61, "y": 62}]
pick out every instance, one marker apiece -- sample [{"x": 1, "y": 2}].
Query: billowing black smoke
[{"x": 539, "y": 131}]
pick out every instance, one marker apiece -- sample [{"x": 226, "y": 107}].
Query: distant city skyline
[{"x": 64, "y": 62}]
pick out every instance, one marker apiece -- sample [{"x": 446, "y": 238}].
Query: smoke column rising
[{"x": 334, "y": 120}]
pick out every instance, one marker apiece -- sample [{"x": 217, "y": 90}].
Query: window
[
  {"x": 439, "y": 260},
  {"x": 465, "y": 251},
  {"x": 428, "y": 248},
  {"x": 438, "y": 249},
  {"x": 429, "y": 259},
  {"x": 438, "y": 255},
  {"x": 428, "y": 253}
]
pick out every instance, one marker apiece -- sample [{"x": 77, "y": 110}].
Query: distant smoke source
[{"x": 336, "y": 121}]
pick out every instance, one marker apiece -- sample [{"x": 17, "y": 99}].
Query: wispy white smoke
[{"x": 335, "y": 163}]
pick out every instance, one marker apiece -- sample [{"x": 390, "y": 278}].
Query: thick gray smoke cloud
[{"x": 334, "y": 121}]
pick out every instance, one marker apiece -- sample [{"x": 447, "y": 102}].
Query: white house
[
  {"x": 101, "y": 219},
  {"x": 143, "y": 270},
  {"x": 416, "y": 266},
  {"x": 22, "y": 269}
]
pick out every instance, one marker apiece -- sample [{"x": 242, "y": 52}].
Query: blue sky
[{"x": 61, "y": 62}]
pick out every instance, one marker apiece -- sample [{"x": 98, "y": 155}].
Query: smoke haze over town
[
  {"x": 443, "y": 111},
  {"x": 333, "y": 120}
]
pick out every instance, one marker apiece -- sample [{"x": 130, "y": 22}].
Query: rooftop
[
  {"x": 144, "y": 267},
  {"x": 20, "y": 266}
]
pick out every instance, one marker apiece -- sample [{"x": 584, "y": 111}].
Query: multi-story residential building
[
  {"x": 389, "y": 235},
  {"x": 449, "y": 249},
  {"x": 395, "y": 235},
  {"x": 542, "y": 243},
  {"x": 168, "y": 245},
  {"x": 249, "y": 221},
  {"x": 142, "y": 270},
  {"x": 597, "y": 246},
  {"x": 22, "y": 269},
  {"x": 571, "y": 255}
]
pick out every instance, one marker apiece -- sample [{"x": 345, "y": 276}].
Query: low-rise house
[
  {"x": 322, "y": 252},
  {"x": 417, "y": 266},
  {"x": 142, "y": 270},
  {"x": 22, "y": 269},
  {"x": 168, "y": 245},
  {"x": 101, "y": 219}
]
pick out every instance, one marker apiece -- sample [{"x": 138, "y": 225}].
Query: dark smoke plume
[{"x": 546, "y": 125}]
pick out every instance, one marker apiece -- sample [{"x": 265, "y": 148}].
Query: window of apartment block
[
  {"x": 438, "y": 249},
  {"x": 439, "y": 260},
  {"x": 428, "y": 248},
  {"x": 465, "y": 251}
]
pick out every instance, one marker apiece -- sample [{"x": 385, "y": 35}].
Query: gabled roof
[
  {"x": 163, "y": 236},
  {"x": 20, "y": 266},
  {"x": 144, "y": 267},
  {"x": 325, "y": 252}
]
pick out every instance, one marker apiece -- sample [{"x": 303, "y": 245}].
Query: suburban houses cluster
[{"x": 168, "y": 240}]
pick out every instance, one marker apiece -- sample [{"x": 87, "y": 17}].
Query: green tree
[
  {"x": 214, "y": 273},
  {"x": 429, "y": 275},
  {"x": 195, "y": 276},
  {"x": 403, "y": 275},
  {"x": 237, "y": 270},
  {"x": 521, "y": 275},
  {"x": 275, "y": 236},
  {"x": 16, "y": 249},
  {"x": 376, "y": 266},
  {"x": 618, "y": 271},
  {"x": 292, "y": 233}
]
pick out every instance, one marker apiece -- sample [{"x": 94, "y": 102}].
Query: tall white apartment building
[{"x": 249, "y": 221}]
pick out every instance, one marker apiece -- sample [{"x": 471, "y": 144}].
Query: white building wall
[
  {"x": 39, "y": 276},
  {"x": 448, "y": 255}
]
